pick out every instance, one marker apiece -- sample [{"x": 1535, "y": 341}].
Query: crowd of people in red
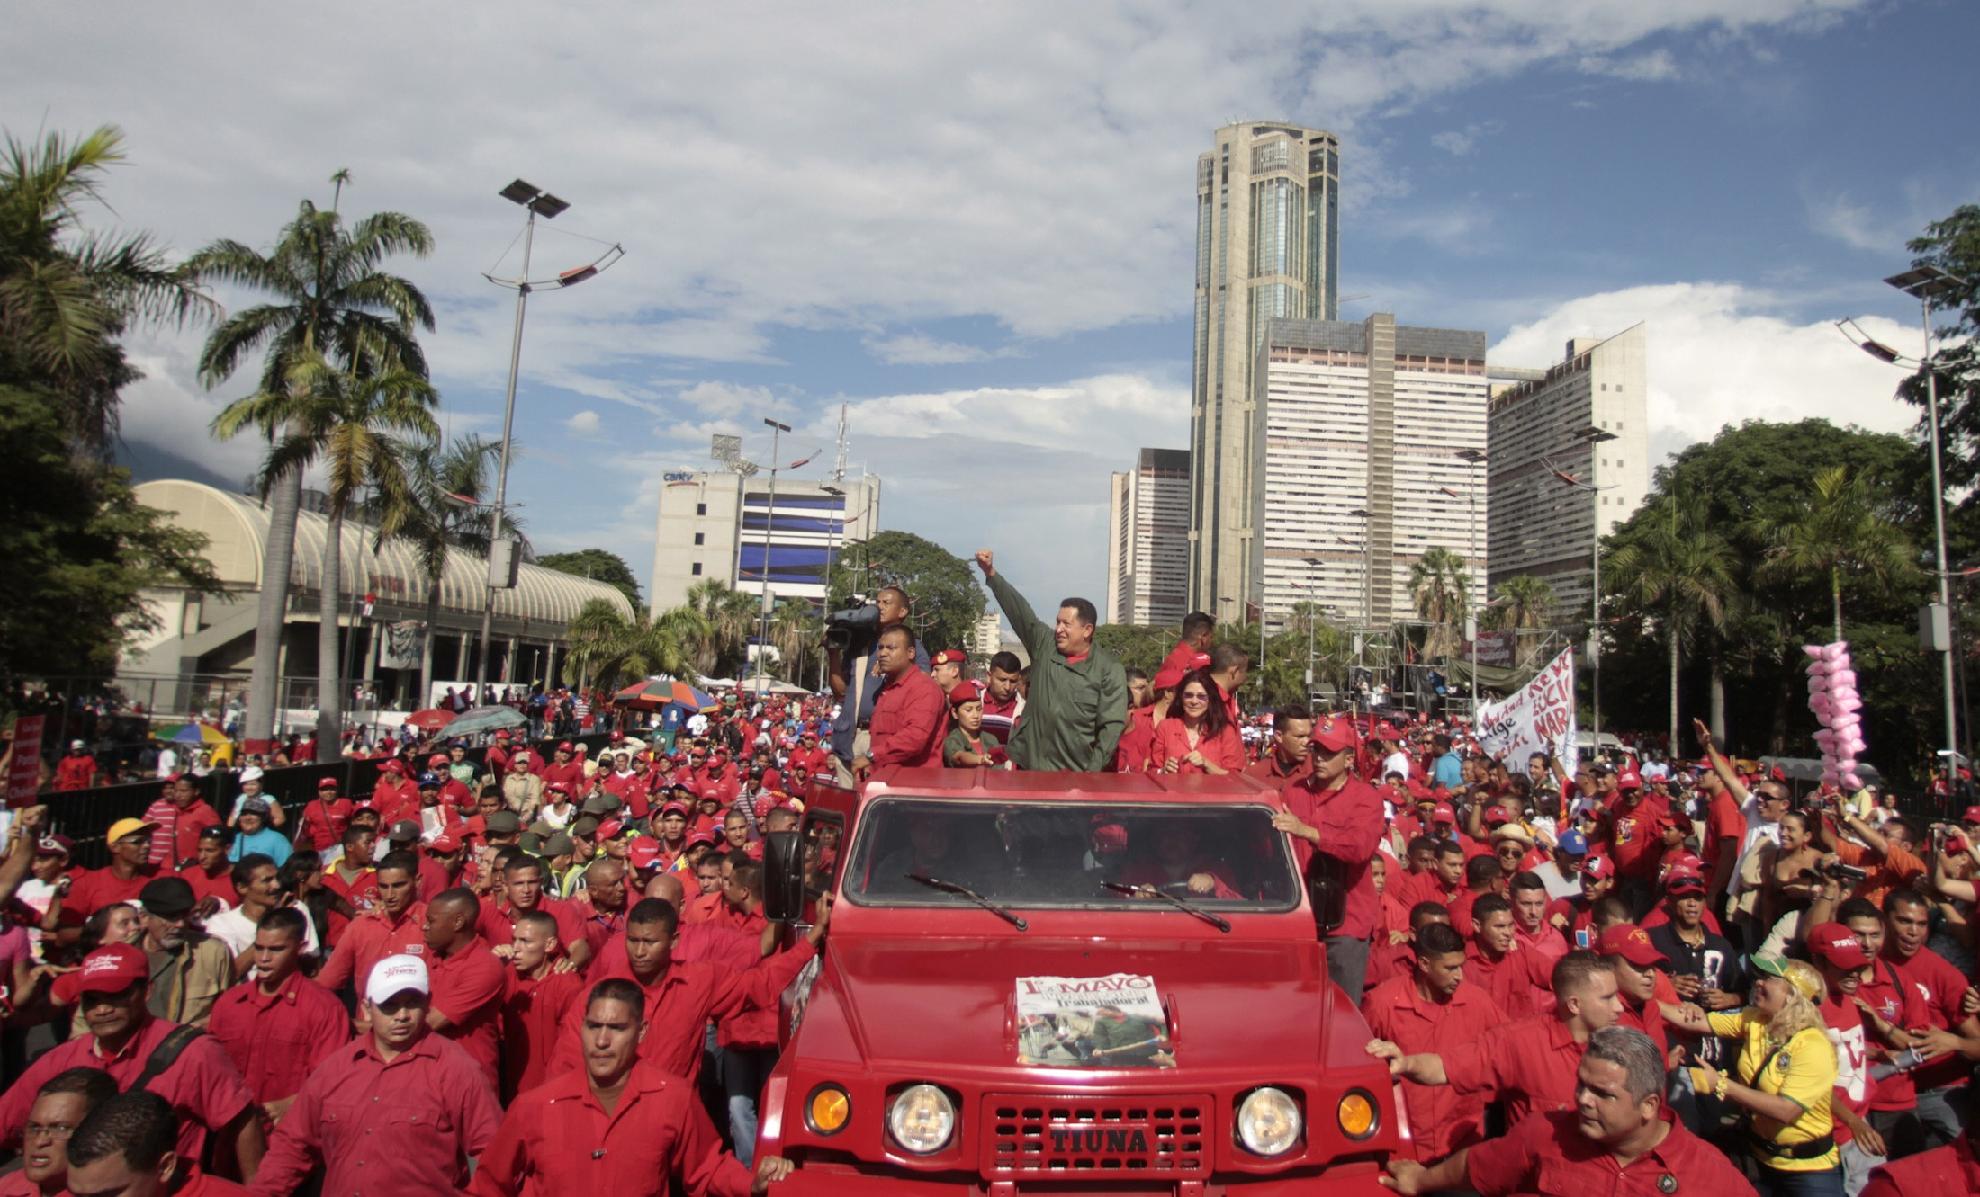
[{"x": 1615, "y": 975}]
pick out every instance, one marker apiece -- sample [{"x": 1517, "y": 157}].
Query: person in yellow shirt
[{"x": 1785, "y": 1078}]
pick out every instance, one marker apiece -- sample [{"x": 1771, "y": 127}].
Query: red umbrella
[
  {"x": 654, "y": 693},
  {"x": 431, "y": 719}
]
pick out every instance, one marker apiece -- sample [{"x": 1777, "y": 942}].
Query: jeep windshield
[{"x": 1223, "y": 857}]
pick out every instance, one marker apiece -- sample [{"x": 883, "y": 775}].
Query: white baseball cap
[{"x": 393, "y": 976}]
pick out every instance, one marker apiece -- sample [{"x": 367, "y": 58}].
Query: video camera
[{"x": 842, "y": 626}]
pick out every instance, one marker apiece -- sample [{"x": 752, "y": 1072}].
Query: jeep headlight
[
  {"x": 922, "y": 1119},
  {"x": 1268, "y": 1122}
]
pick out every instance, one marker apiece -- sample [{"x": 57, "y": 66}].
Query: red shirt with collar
[
  {"x": 1937, "y": 987},
  {"x": 1529, "y": 1064},
  {"x": 558, "y": 1141},
  {"x": 498, "y": 925},
  {"x": 208, "y": 885},
  {"x": 532, "y": 1011},
  {"x": 1225, "y": 750},
  {"x": 702, "y": 908},
  {"x": 1270, "y": 768},
  {"x": 369, "y": 939},
  {"x": 468, "y": 985},
  {"x": 679, "y": 1004},
  {"x": 1636, "y": 834},
  {"x": 1349, "y": 820},
  {"x": 407, "y": 1126},
  {"x": 1940, "y": 1172},
  {"x": 275, "y": 1039},
  {"x": 205, "y": 1091},
  {"x": 1520, "y": 982},
  {"x": 1547, "y": 1153},
  {"x": 909, "y": 720},
  {"x": 321, "y": 825},
  {"x": 1441, "y": 1118}
]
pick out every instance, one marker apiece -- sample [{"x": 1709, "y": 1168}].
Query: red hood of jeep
[{"x": 909, "y": 1001}]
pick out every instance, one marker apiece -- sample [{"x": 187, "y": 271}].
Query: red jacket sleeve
[
  {"x": 705, "y": 1169},
  {"x": 759, "y": 986},
  {"x": 921, "y": 714},
  {"x": 499, "y": 1170},
  {"x": 1227, "y": 752},
  {"x": 1351, "y": 824}
]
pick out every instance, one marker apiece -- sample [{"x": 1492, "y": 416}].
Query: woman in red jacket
[{"x": 1197, "y": 736}]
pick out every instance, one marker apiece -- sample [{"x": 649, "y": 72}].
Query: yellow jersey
[{"x": 1803, "y": 1071}]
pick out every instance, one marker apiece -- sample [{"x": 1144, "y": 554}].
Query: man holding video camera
[{"x": 854, "y": 671}]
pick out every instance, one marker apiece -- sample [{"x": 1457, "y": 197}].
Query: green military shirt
[{"x": 1076, "y": 711}]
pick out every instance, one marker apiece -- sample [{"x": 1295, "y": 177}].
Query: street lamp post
[
  {"x": 501, "y": 555},
  {"x": 763, "y": 567},
  {"x": 1312, "y": 614},
  {"x": 1592, "y": 437},
  {"x": 1926, "y": 284},
  {"x": 1473, "y": 457},
  {"x": 1367, "y": 586}
]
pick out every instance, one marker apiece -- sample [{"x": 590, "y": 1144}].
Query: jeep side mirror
[
  {"x": 1326, "y": 881},
  {"x": 783, "y": 876}
]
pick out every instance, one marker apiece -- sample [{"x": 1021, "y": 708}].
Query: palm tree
[
  {"x": 1682, "y": 568},
  {"x": 65, "y": 294},
  {"x": 345, "y": 419},
  {"x": 611, "y": 648},
  {"x": 795, "y": 632},
  {"x": 731, "y": 617},
  {"x": 1439, "y": 584},
  {"x": 447, "y": 489},
  {"x": 1841, "y": 533},
  {"x": 330, "y": 299},
  {"x": 1524, "y": 604}
]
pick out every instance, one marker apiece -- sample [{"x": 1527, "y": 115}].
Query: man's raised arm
[{"x": 1037, "y": 637}]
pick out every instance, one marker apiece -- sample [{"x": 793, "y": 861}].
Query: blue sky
[{"x": 973, "y": 224}]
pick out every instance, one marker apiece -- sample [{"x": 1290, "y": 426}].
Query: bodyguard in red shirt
[
  {"x": 90, "y": 890},
  {"x": 617, "y": 1126},
  {"x": 321, "y": 826},
  {"x": 1426, "y": 1008},
  {"x": 401, "y": 1110},
  {"x": 395, "y": 926},
  {"x": 1618, "y": 1139},
  {"x": 910, "y": 716},
  {"x": 1330, "y": 812},
  {"x": 279, "y": 1025},
  {"x": 539, "y": 998},
  {"x": 1530, "y": 1064},
  {"x": 124, "y": 1146},
  {"x": 467, "y": 980}
]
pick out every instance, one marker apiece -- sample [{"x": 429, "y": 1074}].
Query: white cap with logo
[{"x": 393, "y": 976}]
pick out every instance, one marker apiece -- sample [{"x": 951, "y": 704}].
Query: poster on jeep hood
[{"x": 1114, "y": 1021}]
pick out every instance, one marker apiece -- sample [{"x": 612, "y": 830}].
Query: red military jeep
[{"x": 1058, "y": 983}]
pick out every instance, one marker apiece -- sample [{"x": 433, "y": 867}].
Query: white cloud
[
  {"x": 584, "y": 423},
  {"x": 1841, "y": 218},
  {"x": 1652, "y": 67},
  {"x": 1462, "y": 143},
  {"x": 914, "y": 349},
  {"x": 1719, "y": 353}
]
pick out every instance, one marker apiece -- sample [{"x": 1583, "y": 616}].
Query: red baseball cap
[
  {"x": 1444, "y": 813},
  {"x": 438, "y": 758},
  {"x": 328, "y": 783},
  {"x": 1684, "y": 862},
  {"x": 1631, "y": 943},
  {"x": 964, "y": 692},
  {"x": 395, "y": 765},
  {"x": 673, "y": 808},
  {"x": 1333, "y": 733},
  {"x": 1836, "y": 944},
  {"x": 703, "y": 836},
  {"x": 1629, "y": 779},
  {"x": 558, "y": 787},
  {"x": 564, "y": 747},
  {"x": 502, "y": 735},
  {"x": 1972, "y": 815},
  {"x": 610, "y": 829},
  {"x": 446, "y": 841},
  {"x": 1683, "y": 881},
  {"x": 642, "y": 852},
  {"x": 1599, "y": 867},
  {"x": 112, "y": 968}
]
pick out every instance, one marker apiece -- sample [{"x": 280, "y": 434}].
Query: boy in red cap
[{"x": 968, "y": 745}]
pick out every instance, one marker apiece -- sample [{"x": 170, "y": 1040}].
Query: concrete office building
[
  {"x": 1148, "y": 539},
  {"x": 1548, "y": 423},
  {"x": 1371, "y": 418},
  {"x": 712, "y": 525},
  {"x": 1267, "y": 246}
]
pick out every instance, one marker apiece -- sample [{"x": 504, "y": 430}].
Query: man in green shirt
[{"x": 1077, "y": 707}]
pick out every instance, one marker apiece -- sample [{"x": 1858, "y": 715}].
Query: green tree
[
  {"x": 729, "y": 619},
  {"x": 75, "y": 535},
  {"x": 1840, "y": 534},
  {"x": 611, "y": 649},
  {"x": 67, "y": 292},
  {"x": 600, "y": 565},
  {"x": 1136, "y": 645},
  {"x": 329, "y": 299},
  {"x": 797, "y": 633},
  {"x": 945, "y": 599},
  {"x": 1953, "y": 245},
  {"x": 1682, "y": 568},
  {"x": 89, "y": 555},
  {"x": 1525, "y": 604},
  {"x": 446, "y": 508},
  {"x": 1439, "y": 585},
  {"x": 345, "y": 419}
]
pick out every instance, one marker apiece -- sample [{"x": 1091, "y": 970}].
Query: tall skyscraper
[
  {"x": 1148, "y": 539},
  {"x": 713, "y": 523},
  {"x": 1569, "y": 460},
  {"x": 1372, "y": 433},
  {"x": 1267, "y": 245}
]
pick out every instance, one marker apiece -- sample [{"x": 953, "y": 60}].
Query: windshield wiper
[
  {"x": 1150, "y": 891},
  {"x": 961, "y": 890}
]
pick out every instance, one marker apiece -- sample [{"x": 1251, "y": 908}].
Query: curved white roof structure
[{"x": 236, "y": 529}]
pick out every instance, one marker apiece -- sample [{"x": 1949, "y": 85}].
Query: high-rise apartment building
[
  {"x": 713, "y": 524},
  {"x": 1148, "y": 539},
  {"x": 1569, "y": 460},
  {"x": 1371, "y": 438},
  {"x": 1267, "y": 246}
]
